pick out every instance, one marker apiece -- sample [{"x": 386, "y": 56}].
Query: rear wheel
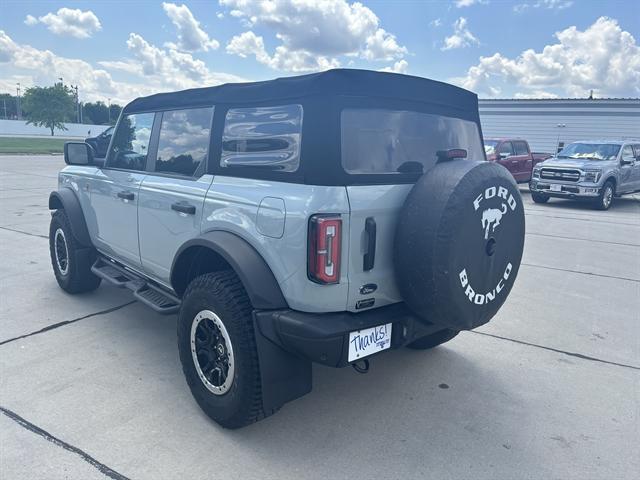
[
  {"x": 433, "y": 340},
  {"x": 539, "y": 197},
  {"x": 605, "y": 199},
  {"x": 71, "y": 262},
  {"x": 218, "y": 350}
]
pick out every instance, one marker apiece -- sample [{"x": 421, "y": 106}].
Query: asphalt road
[{"x": 91, "y": 386}]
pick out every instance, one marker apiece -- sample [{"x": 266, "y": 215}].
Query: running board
[{"x": 152, "y": 296}]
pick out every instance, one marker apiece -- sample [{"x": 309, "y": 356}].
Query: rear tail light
[
  {"x": 325, "y": 246},
  {"x": 444, "y": 155}
]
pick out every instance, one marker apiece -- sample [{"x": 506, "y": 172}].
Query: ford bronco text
[{"x": 322, "y": 218}]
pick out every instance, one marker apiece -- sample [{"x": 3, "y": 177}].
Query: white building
[{"x": 547, "y": 123}]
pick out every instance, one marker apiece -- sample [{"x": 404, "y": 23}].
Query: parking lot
[{"x": 91, "y": 385}]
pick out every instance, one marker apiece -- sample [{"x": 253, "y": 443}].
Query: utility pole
[
  {"x": 4, "y": 102},
  {"x": 18, "y": 108},
  {"x": 78, "y": 114},
  {"x": 109, "y": 110}
]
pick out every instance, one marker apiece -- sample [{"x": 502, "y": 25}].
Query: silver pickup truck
[{"x": 597, "y": 171}]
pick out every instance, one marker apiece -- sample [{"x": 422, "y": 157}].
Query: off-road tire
[
  {"x": 223, "y": 294},
  {"x": 77, "y": 277},
  {"x": 433, "y": 340},
  {"x": 539, "y": 197},
  {"x": 605, "y": 199}
]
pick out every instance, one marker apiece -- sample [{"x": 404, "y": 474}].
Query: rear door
[
  {"x": 507, "y": 158},
  {"x": 114, "y": 189},
  {"x": 522, "y": 161},
  {"x": 388, "y": 147},
  {"x": 172, "y": 195}
]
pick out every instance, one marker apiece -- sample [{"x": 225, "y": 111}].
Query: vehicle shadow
[{"x": 624, "y": 204}]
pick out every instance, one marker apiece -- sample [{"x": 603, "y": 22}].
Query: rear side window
[
  {"x": 183, "y": 144},
  {"x": 521, "y": 148},
  {"x": 627, "y": 153},
  {"x": 267, "y": 137},
  {"x": 387, "y": 141},
  {"x": 506, "y": 149},
  {"x": 130, "y": 145}
]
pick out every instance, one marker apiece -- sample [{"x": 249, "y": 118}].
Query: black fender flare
[
  {"x": 66, "y": 199},
  {"x": 254, "y": 273}
]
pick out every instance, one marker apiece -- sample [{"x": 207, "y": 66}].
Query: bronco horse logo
[{"x": 491, "y": 219}]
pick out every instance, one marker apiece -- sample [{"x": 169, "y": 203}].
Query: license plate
[
  {"x": 368, "y": 341},
  {"x": 556, "y": 188}
]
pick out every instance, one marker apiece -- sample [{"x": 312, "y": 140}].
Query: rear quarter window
[
  {"x": 264, "y": 137},
  {"x": 377, "y": 141}
]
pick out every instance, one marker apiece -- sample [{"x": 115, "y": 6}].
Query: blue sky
[{"x": 497, "y": 48}]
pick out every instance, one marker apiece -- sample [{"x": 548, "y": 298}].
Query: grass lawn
[{"x": 17, "y": 145}]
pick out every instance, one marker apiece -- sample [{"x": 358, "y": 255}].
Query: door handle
[
  {"x": 370, "y": 255},
  {"x": 183, "y": 208},
  {"x": 126, "y": 195}
]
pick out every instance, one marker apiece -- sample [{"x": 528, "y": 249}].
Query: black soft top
[
  {"x": 330, "y": 83},
  {"x": 323, "y": 96}
]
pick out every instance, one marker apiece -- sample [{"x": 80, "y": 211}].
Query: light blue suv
[{"x": 322, "y": 218}]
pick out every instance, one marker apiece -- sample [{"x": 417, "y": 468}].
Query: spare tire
[{"x": 459, "y": 243}]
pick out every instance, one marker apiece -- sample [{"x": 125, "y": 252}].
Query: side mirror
[
  {"x": 501, "y": 156},
  {"x": 78, "y": 153},
  {"x": 625, "y": 161}
]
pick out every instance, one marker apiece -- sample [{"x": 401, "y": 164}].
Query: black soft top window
[{"x": 380, "y": 141}]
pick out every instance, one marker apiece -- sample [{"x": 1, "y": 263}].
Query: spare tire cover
[{"x": 459, "y": 243}]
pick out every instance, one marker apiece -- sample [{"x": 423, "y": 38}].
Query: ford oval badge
[{"x": 368, "y": 288}]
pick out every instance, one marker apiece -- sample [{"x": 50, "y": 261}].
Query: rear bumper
[
  {"x": 568, "y": 190},
  {"x": 324, "y": 337}
]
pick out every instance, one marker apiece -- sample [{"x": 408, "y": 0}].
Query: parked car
[
  {"x": 596, "y": 170},
  {"x": 100, "y": 143},
  {"x": 322, "y": 218},
  {"x": 515, "y": 155}
]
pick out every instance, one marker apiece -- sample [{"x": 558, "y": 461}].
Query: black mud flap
[{"x": 284, "y": 376}]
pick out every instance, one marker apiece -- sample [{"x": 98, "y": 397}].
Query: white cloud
[
  {"x": 535, "y": 94},
  {"x": 468, "y": 3},
  {"x": 400, "y": 66},
  {"x": 67, "y": 21},
  {"x": 173, "y": 69},
  {"x": 191, "y": 37},
  {"x": 157, "y": 70},
  {"x": 435, "y": 23},
  {"x": 603, "y": 57},
  {"x": 462, "y": 36},
  {"x": 313, "y": 34},
  {"x": 249, "y": 44},
  {"x": 548, "y": 4}
]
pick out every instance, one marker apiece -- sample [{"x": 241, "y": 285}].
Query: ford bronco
[
  {"x": 596, "y": 170},
  {"x": 322, "y": 218}
]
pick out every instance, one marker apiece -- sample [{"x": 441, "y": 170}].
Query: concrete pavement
[{"x": 91, "y": 385}]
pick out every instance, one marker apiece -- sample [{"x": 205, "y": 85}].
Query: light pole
[
  {"x": 18, "y": 109},
  {"x": 77, "y": 103},
  {"x": 109, "y": 110}
]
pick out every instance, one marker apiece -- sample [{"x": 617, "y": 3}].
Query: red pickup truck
[{"x": 515, "y": 155}]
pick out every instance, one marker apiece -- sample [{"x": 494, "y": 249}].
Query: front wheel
[
  {"x": 218, "y": 350},
  {"x": 605, "y": 199},
  {"x": 71, "y": 262},
  {"x": 433, "y": 340},
  {"x": 539, "y": 197}
]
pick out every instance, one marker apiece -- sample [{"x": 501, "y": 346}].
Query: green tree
[
  {"x": 7, "y": 106},
  {"x": 115, "y": 110},
  {"x": 96, "y": 113},
  {"x": 48, "y": 107}
]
